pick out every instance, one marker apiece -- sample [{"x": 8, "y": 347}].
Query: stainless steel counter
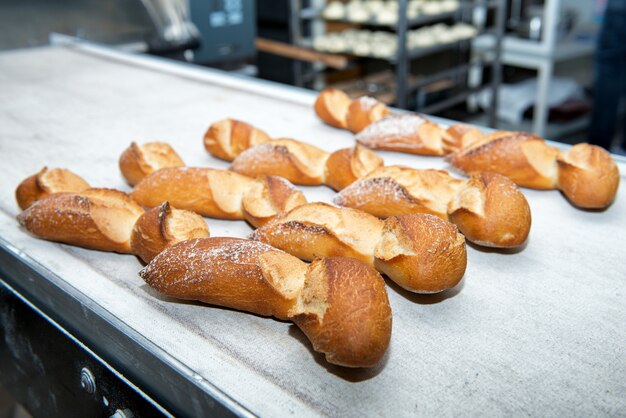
[{"x": 538, "y": 332}]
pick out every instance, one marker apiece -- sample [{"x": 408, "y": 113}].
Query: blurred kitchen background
[{"x": 513, "y": 64}]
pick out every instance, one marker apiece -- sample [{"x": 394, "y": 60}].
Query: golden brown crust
[
  {"x": 364, "y": 111},
  {"x": 331, "y": 106},
  {"x": 422, "y": 253},
  {"x": 409, "y": 133},
  {"x": 459, "y": 136},
  {"x": 267, "y": 197},
  {"x": 340, "y": 303},
  {"x": 228, "y": 138},
  {"x": 396, "y": 190},
  {"x": 47, "y": 182},
  {"x": 100, "y": 219},
  {"x": 588, "y": 176},
  {"x": 163, "y": 226},
  {"x": 321, "y": 230},
  {"x": 225, "y": 272},
  {"x": 137, "y": 161},
  {"x": 346, "y": 165},
  {"x": 218, "y": 193},
  {"x": 524, "y": 158},
  {"x": 490, "y": 210},
  {"x": 296, "y": 161},
  {"x": 345, "y": 312},
  {"x": 208, "y": 192},
  {"x": 306, "y": 164}
]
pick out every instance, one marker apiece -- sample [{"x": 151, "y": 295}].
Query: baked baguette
[
  {"x": 339, "y": 303},
  {"x": 108, "y": 220},
  {"x": 461, "y": 135},
  {"x": 422, "y": 253},
  {"x": 336, "y": 109},
  {"x": 218, "y": 193},
  {"x": 137, "y": 161},
  {"x": 524, "y": 158},
  {"x": 228, "y": 138},
  {"x": 99, "y": 219},
  {"x": 409, "y": 133},
  {"x": 306, "y": 164},
  {"x": 363, "y": 111},
  {"x": 163, "y": 226},
  {"x": 331, "y": 106},
  {"x": 586, "y": 174},
  {"x": 47, "y": 182},
  {"x": 296, "y": 161},
  {"x": 413, "y": 133},
  {"x": 488, "y": 209}
]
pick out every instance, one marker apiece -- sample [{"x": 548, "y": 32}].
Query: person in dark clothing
[{"x": 610, "y": 75}]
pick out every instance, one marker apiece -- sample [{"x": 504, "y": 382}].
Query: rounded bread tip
[
  {"x": 331, "y": 107},
  {"x": 588, "y": 176},
  {"x": 490, "y": 210},
  {"x": 47, "y": 182},
  {"x": 345, "y": 312},
  {"x": 340, "y": 303},
  {"x": 422, "y": 253},
  {"x": 138, "y": 161}
]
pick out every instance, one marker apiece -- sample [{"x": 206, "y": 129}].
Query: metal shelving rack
[
  {"x": 543, "y": 56},
  {"x": 405, "y": 56}
]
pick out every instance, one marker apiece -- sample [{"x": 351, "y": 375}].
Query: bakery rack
[{"x": 308, "y": 22}]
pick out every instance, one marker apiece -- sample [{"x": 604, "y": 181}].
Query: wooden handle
[{"x": 338, "y": 62}]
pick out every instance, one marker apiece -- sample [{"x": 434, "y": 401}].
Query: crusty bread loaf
[
  {"x": 163, "y": 226},
  {"x": 296, "y": 161},
  {"x": 268, "y": 196},
  {"x": 586, "y": 174},
  {"x": 340, "y": 303},
  {"x": 100, "y": 219},
  {"x": 396, "y": 190},
  {"x": 335, "y": 108},
  {"x": 137, "y": 161},
  {"x": 460, "y": 135},
  {"x": 236, "y": 273},
  {"x": 344, "y": 310},
  {"x": 321, "y": 230},
  {"x": 331, "y": 106},
  {"x": 410, "y": 133},
  {"x": 109, "y": 220},
  {"x": 491, "y": 211},
  {"x": 47, "y": 182},
  {"x": 524, "y": 158},
  {"x": 488, "y": 216},
  {"x": 343, "y": 167},
  {"x": 208, "y": 192},
  {"x": 364, "y": 111},
  {"x": 413, "y": 133},
  {"x": 306, "y": 164},
  {"x": 216, "y": 193},
  {"x": 228, "y": 138},
  {"x": 422, "y": 253}
]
